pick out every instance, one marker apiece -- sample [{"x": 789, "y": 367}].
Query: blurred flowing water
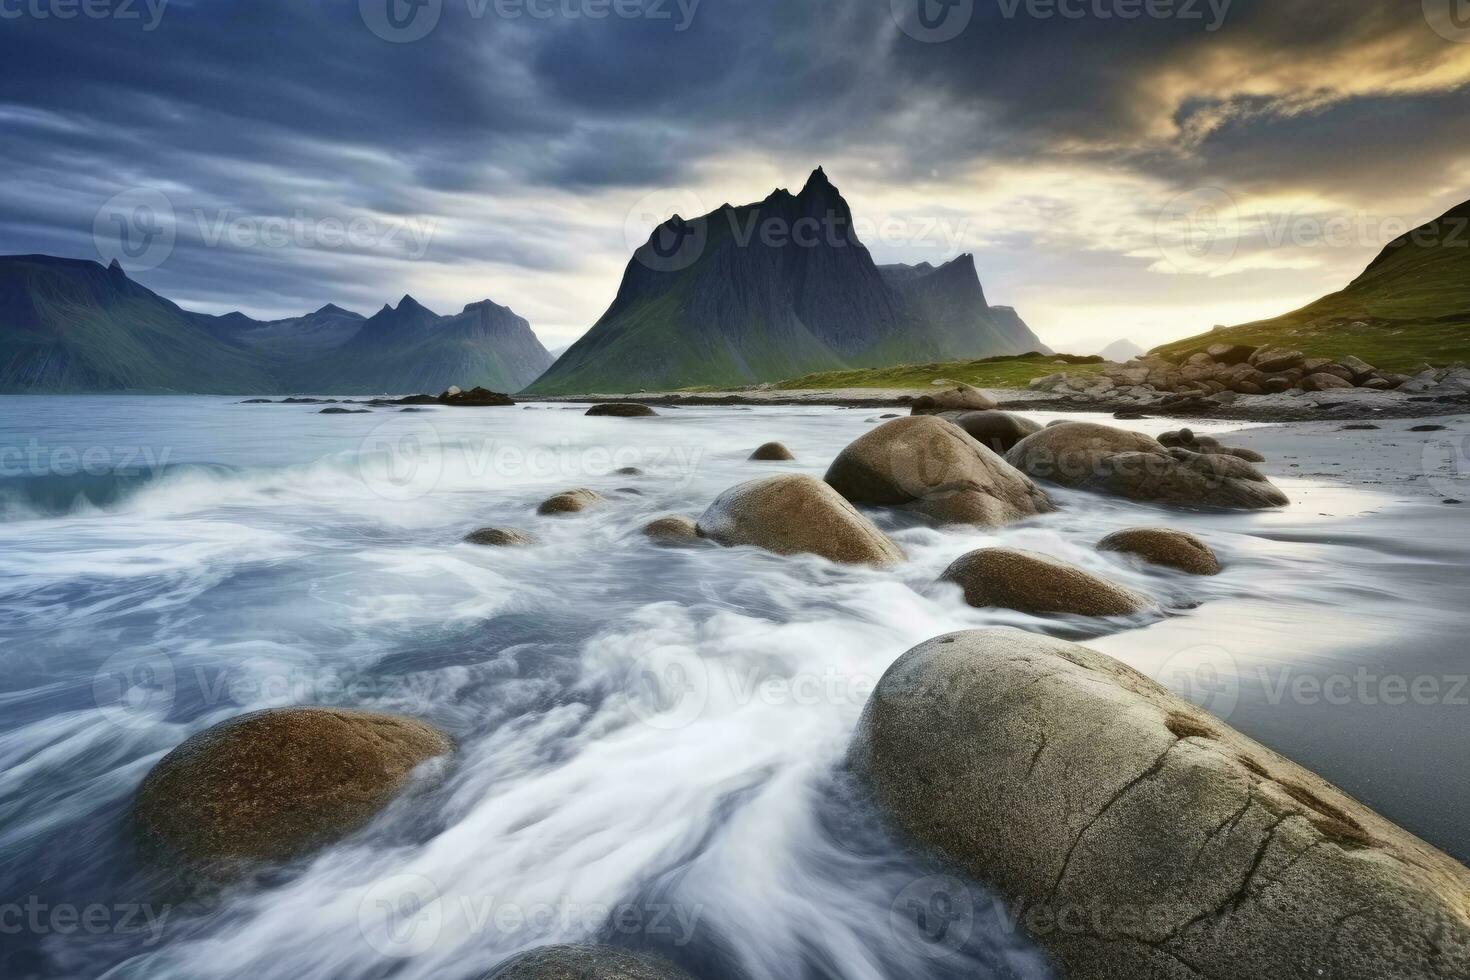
[{"x": 649, "y": 741}]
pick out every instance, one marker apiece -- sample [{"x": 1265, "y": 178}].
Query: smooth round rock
[
  {"x": 772, "y": 452},
  {"x": 570, "y": 502},
  {"x": 272, "y": 785},
  {"x": 498, "y": 537},
  {"x": 1135, "y": 836},
  {"x": 961, "y": 398},
  {"x": 932, "y": 466},
  {"x": 675, "y": 530},
  {"x": 585, "y": 962},
  {"x": 797, "y": 514},
  {"x": 622, "y": 410},
  {"x": 996, "y": 430},
  {"x": 1027, "y": 582},
  {"x": 1179, "y": 550}
]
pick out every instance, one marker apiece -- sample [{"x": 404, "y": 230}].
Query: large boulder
[
  {"x": 997, "y": 430},
  {"x": 571, "y": 502},
  {"x": 584, "y": 962},
  {"x": 1195, "y": 443},
  {"x": 1138, "y": 837},
  {"x": 1231, "y": 353},
  {"x": 1100, "y": 458},
  {"x": 273, "y": 785},
  {"x": 1179, "y": 550},
  {"x": 622, "y": 410},
  {"x": 961, "y": 398},
  {"x": 797, "y": 514},
  {"x": 1322, "y": 381},
  {"x": 930, "y": 465},
  {"x": 1027, "y": 582}
]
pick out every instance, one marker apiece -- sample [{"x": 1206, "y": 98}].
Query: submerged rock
[
  {"x": 585, "y": 962},
  {"x": 571, "y": 501},
  {"x": 272, "y": 785},
  {"x": 675, "y": 530},
  {"x": 1164, "y": 546},
  {"x": 622, "y": 410},
  {"x": 498, "y": 537},
  {"x": 772, "y": 452},
  {"x": 797, "y": 514},
  {"x": 345, "y": 411},
  {"x": 930, "y": 465},
  {"x": 1087, "y": 456},
  {"x": 1038, "y": 584},
  {"x": 1136, "y": 836}
]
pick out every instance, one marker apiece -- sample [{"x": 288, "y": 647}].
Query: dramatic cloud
[{"x": 350, "y": 152}]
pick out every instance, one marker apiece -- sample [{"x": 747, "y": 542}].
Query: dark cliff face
[
  {"x": 74, "y": 326},
  {"x": 772, "y": 290}
]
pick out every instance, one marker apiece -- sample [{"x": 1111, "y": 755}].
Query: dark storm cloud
[{"x": 272, "y": 109}]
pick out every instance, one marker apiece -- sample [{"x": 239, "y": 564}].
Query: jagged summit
[{"x": 772, "y": 290}]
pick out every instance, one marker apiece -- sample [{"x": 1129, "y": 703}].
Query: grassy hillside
[
  {"x": 1411, "y": 306},
  {"x": 987, "y": 373}
]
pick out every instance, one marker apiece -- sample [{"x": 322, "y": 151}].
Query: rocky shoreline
[{"x": 1044, "y": 769}]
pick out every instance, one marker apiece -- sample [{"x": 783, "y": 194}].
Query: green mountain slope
[
  {"x": 773, "y": 290},
  {"x": 70, "y": 326},
  {"x": 1409, "y": 307}
]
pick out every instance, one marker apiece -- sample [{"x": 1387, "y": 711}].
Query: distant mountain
[
  {"x": 772, "y": 290},
  {"x": 1121, "y": 351},
  {"x": 72, "y": 326},
  {"x": 1410, "y": 306},
  {"x": 485, "y": 345}
]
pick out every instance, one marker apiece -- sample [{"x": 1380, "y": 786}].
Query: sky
[{"x": 1140, "y": 169}]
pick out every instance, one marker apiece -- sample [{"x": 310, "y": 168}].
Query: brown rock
[
  {"x": 676, "y": 530},
  {"x": 1231, "y": 353},
  {"x": 272, "y": 785},
  {"x": 796, "y": 514},
  {"x": 1274, "y": 359},
  {"x": 498, "y": 537},
  {"x": 772, "y": 452},
  {"x": 1031, "y": 583},
  {"x": 1164, "y": 546},
  {"x": 962, "y": 398},
  {"x": 1172, "y": 846},
  {"x": 932, "y": 466},
  {"x": 622, "y": 410},
  {"x": 996, "y": 430},
  {"x": 571, "y": 501},
  {"x": 1324, "y": 382},
  {"x": 475, "y": 398}
]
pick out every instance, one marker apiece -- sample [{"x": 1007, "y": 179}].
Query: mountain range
[
  {"x": 1411, "y": 305},
  {"x": 69, "y": 325},
  {"x": 773, "y": 290}
]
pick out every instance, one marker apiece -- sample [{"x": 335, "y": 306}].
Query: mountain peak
[
  {"x": 409, "y": 303},
  {"x": 332, "y": 309},
  {"x": 115, "y": 267}
]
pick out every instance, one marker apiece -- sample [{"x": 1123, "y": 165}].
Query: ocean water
[{"x": 650, "y": 741}]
